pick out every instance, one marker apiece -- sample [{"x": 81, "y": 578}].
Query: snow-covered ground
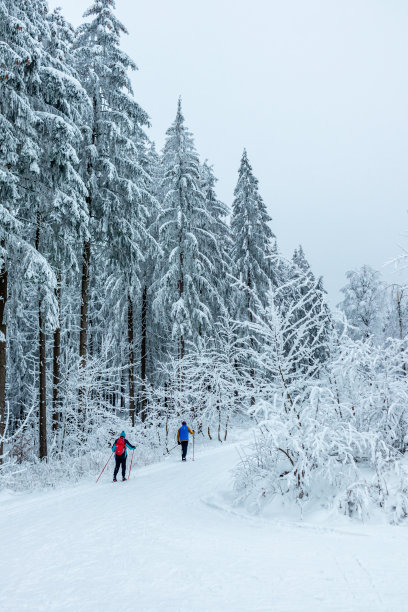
[{"x": 168, "y": 541}]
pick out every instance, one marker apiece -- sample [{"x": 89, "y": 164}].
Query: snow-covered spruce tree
[
  {"x": 61, "y": 215},
  {"x": 110, "y": 166},
  {"x": 186, "y": 287},
  {"x": 126, "y": 288},
  {"x": 149, "y": 347},
  {"x": 363, "y": 302},
  {"x": 314, "y": 307},
  {"x": 218, "y": 212},
  {"x": 252, "y": 243},
  {"x": 66, "y": 224},
  {"x": 42, "y": 90},
  {"x": 129, "y": 256},
  {"x": 251, "y": 250},
  {"x": 17, "y": 128}
]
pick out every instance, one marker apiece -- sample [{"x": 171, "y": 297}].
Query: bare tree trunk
[
  {"x": 43, "y": 386},
  {"x": 166, "y": 408},
  {"x": 122, "y": 392},
  {"x": 131, "y": 362},
  {"x": 3, "y": 353},
  {"x": 83, "y": 333},
  {"x": 251, "y": 371},
  {"x": 56, "y": 365},
  {"x": 219, "y": 422},
  {"x": 86, "y": 260},
  {"x": 42, "y": 363},
  {"x": 143, "y": 354},
  {"x": 181, "y": 347},
  {"x": 226, "y": 427},
  {"x": 181, "y": 291},
  {"x": 399, "y": 297}
]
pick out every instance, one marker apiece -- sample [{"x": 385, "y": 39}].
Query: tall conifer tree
[
  {"x": 186, "y": 286},
  {"x": 252, "y": 243},
  {"x": 251, "y": 251},
  {"x": 111, "y": 165}
]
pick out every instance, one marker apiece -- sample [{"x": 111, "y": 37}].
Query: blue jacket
[
  {"x": 182, "y": 435},
  {"x": 127, "y": 444}
]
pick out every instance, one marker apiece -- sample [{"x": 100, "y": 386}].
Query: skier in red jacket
[{"x": 120, "y": 449}]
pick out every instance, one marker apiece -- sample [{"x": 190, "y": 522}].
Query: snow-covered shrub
[
  {"x": 333, "y": 432},
  {"x": 373, "y": 387},
  {"x": 385, "y": 490},
  {"x": 322, "y": 459}
]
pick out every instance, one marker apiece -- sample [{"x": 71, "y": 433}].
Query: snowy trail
[{"x": 163, "y": 542}]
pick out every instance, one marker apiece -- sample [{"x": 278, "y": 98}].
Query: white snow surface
[{"x": 168, "y": 540}]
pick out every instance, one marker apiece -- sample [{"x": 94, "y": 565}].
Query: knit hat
[
  {"x": 123, "y": 435},
  {"x": 184, "y": 423}
]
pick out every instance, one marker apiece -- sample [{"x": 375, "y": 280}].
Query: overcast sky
[{"x": 317, "y": 92}]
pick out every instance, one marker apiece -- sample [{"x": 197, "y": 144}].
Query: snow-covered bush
[
  {"x": 334, "y": 432},
  {"x": 322, "y": 460}
]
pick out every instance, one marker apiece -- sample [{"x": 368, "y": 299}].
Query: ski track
[{"x": 164, "y": 542}]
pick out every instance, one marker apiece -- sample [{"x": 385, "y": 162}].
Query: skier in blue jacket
[
  {"x": 182, "y": 438},
  {"x": 120, "y": 447}
]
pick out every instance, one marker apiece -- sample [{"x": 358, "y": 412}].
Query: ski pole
[
  {"x": 104, "y": 467},
  {"x": 193, "y": 445},
  {"x": 169, "y": 451},
  {"x": 133, "y": 452}
]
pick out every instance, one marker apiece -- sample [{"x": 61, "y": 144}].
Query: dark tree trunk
[
  {"x": 84, "y": 325},
  {"x": 42, "y": 362},
  {"x": 86, "y": 261},
  {"x": 399, "y": 297},
  {"x": 226, "y": 427},
  {"x": 56, "y": 365},
  {"x": 3, "y": 354},
  {"x": 181, "y": 291},
  {"x": 143, "y": 354},
  {"x": 43, "y": 386},
  {"x": 181, "y": 348},
  {"x": 131, "y": 362},
  {"x": 83, "y": 333},
  {"x": 165, "y": 399},
  {"x": 122, "y": 391},
  {"x": 251, "y": 371},
  {"x": 219, "y": 423}
]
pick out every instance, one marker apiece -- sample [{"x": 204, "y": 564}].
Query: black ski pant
[
  {"x": 184, "y": 445},
  {"x": 120, "y": 460}
]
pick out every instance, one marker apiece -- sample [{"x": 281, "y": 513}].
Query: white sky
[{"x": 317, "y": 92}]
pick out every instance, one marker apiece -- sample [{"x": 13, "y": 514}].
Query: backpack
[{"x": 120, "y": 446}]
